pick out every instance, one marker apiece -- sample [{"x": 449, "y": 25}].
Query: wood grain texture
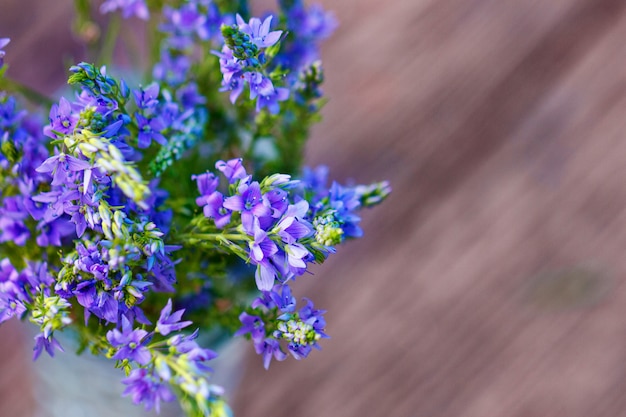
[
  {"x": 500, "y": 126},
  {"x": 491, "y": 283}
]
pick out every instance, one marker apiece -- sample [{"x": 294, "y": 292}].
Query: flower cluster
[
  {"x": 275, "y": 320},
  {"x": 243, "y": 62},
  {"x": 280, "y": 225},
  {"x": 111, "y": 224},
  {"x": 308, "y": 26},
  {"x": 157, "y": 365}
]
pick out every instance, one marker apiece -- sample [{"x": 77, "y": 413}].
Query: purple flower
[
  {"x": 172, "y": 69},
  {"x": 284, "y": 300},
  {"x": 207, "y": 183},
  {"x": 150, "y": 129},
  {"x": 147, "y": 98},
  {"x": 251, "y": 324},
  {"x": 345, "y": 202},
  {"x": 189, "y": 96},
  {"x": 91, "y": 259},
  {"x": 48, "y": 343},
  {"x": 143, "y": 387},
  {"x": 262, "y": 247},
  {"x": 265, "y": 275},
  {"x": 269, "y": 348},
  {"x": 51, "y": 233},
  {"x": 292, "y": 227},
  {"x": 278, "y": 201},
  {"x": 264, "y": 91},
  {"x": 187, "y": 345},
  {"x": 86, "y": 294},
  {"x": 271, "y": 100},
  {"x": 239, "y": 69},
  {"x": 59, "y": 167},
  {"x": 12, "y": 217},
  {"x": 250, "y": 203},
  {"x": 168, "y": 323},
  {"x": 229, "y": 65},
  {"x": 62, "y": 119},
  {"x": 296, "y": 253},
  {"x": 307, "y": 27},
  {"x": 259, "y": 32},
  {"x": 10, "y": 307},
  {"x": 12, "y": 291},
  {"x": 232, "y": 169},
  {"x": 130, "y": 343},
  {"x": 129, "y": 8},
  {"x": 3, "y": 42},
  {"x": 313, "y": 317},
  {"x": 214, "y": 209},
  {"x": 259, "y": 85},
  {"x": 183, "y": 23},
  {"x": 301, "y": 330},
  {"x": 37, "y": 274}
]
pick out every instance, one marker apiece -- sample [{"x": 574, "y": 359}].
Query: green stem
[
  {"x": 108, "y": 46},
  {"x": 215, "y": 236},
  {"x": 175, "y": 366},
  {"x": 33, "y": 96},
  {"x": 154, "y": 45}
]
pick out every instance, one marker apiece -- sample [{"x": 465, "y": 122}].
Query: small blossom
[
  {"x": 269, "y": 348},
  {"x": 144, "y": 387},
  {"x": 214, "y": 209},
  {"x": 168, "y": 322},
  {"x": 61, "y": 166},
  {"x": 150, "y": 129},
  {"x": 62, "y": 119},
  {"x": 250, "y": 203},
  {"x": 207, "y": 184},
  {"x": 129, "y": 343},
  {"x": 252, "y": 325},
  {"x": 147, "y": 98},
  {"x": 232, "y": 169},
  {"x": 259, "y": 32},
  {"x": 49, "y": 344}
]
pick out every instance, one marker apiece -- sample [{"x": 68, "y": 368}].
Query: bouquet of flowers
[{"x": 137, "y": 217}]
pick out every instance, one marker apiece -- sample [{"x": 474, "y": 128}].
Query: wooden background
[{"x": 491, "y": 283}]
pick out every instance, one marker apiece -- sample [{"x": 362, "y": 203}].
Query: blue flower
[
  {"x": 61, "y": 166},
  {"x": 259, "y": 32},
  {"x": 150, "y": 129},
  {"x": 147, "y": 98},
  {"x": 271, "y": 100},
  {"x": 168, "y": 322},
  {"x": 284, "y": 300},
  {"x": 12, "y": 218},
  {"x": 144, "y": 387},
  {"x": 49, "y": 344},
  {"x": 252, "y": 325},
  {"x": 130, "y": 343},
  {"x": 213, "y": 208},
  {"x": 250, "y": 203},
  {"x": 207, "y": 184},
  {"x": 269, "y": 348},
  {"x": 232, "y": 169},
  {"x": 62, "y": 119}
]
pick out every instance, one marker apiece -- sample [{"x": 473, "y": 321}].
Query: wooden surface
[{"x": 491, "y": 283}]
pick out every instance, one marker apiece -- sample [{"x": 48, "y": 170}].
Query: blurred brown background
[{"x": 491, "y": 283}]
